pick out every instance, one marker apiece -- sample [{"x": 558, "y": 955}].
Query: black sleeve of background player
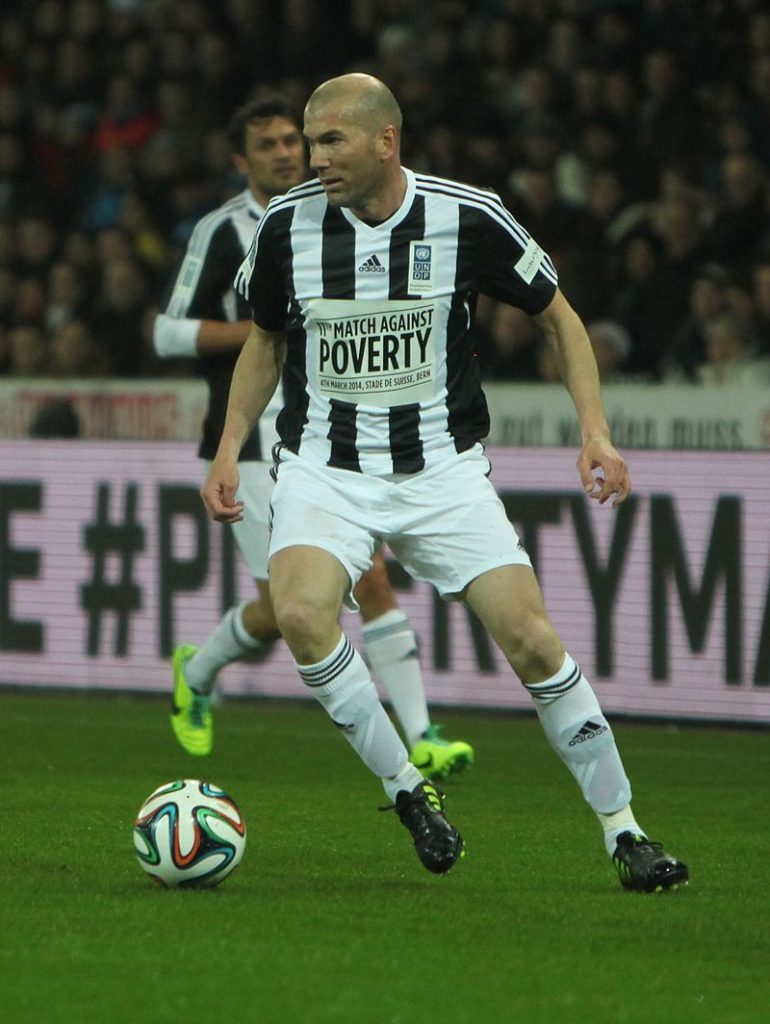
[
  {"x": 222, "y": 259},
  {"x": 501, "y": 248},
  {"x": 267, "y": 291}
]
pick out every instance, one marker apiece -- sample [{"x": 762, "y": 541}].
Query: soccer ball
[{"x": 189, "y": 834}]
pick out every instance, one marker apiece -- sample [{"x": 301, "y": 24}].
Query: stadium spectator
[
  {"x": 115, "y": 180},
  {"x": 740, "y": 222},
  {"x": 406, "y": 469},
  {"x": 127, "y": 120},
  {"x": 536, "y": 201},
  {"x": 148, "y": 242},
  {"x": 29, "y": 302},
  {"x": 731, "y": 358},
  {"x": 180, "y": 129},
  {"x": 12, "y": 108},
  {"x": 29, "y": 352},
  {"x": 14, "y": 39},
  {"x": 218, "y": 85},
  {"x": 86, "y": 21},
  {"x": 17, "y": 192},
  {"x": 77, "y": 76},
  {"x": 678, "y": 226},
  {"x": 78, "y": 248},
  {"x": 708, "y": 300},
  {"x": 670, "y": 122},
  {"x": 508, "y": 342},
  {"x": 118, "y": 318},
  {"x": 642, "y": 91},
  {"x": 36, "y": 241},
  {"x": 7, "y": 295},
  {"x": 75, "y": 353},
  {"x": 611, "y": 343},
  {"x": 7, "y": 244},
  {"x": 66, "y": 297}
]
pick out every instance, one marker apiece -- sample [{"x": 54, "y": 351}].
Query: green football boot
[
  {"x": 437, "y": 758},
  {"x": 190, "y": 714}
]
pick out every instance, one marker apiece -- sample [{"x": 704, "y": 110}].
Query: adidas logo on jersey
[
  {"x": 371, "y": 266},
  {"x": 588, "y": 732}
]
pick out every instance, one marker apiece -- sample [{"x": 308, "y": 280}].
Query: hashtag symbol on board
[{"x": 119, "y": 595}]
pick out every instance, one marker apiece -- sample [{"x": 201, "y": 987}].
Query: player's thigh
[
  {"x": 307, "y": 585},
  {"x": 374, "y": 592},
  {"x": 453, "y": 527},
  {"x": 307, "y": 574},
  {"x": 314, "y": 507},
  {"x": 252, "y": 534}
]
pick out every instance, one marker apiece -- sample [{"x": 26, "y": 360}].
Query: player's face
[
  {"x": 274, "y": 157},
  {"x": 345, "y": 156}
]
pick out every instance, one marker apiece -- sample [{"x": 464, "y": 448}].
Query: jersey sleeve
[
  {"x": 260, "y": 278},
  {"x": 515, "y": 270},
  {"x": 205, "y": 277}
]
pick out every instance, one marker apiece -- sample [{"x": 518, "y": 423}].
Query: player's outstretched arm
[
  {"x": 187, "y": 338},
  {"x": 602, "y": 468},
  {"x": 255, "y": 378}
]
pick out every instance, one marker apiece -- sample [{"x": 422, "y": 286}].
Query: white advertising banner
[
  {"x": 107, "y": 560},
  {"x": 680, "y": 417}
]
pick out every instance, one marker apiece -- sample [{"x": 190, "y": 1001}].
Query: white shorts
[
  {"x": 252, "y": 534},
  {"x": 445, "y": 525}
]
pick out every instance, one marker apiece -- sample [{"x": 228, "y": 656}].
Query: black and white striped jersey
[
  {"x": 203, "y": 290},
  {"x": 380, "y": 374}
]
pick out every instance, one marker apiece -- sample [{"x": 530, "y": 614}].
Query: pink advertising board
[{"x": 107, "y": 560}]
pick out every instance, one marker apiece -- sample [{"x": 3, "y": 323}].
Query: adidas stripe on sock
[
  {"x": 342, "y": 684},
  {"x": 580, "y": 734}
]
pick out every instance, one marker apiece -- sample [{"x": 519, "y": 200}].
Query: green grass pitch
[{"x": 331, "y": 919}]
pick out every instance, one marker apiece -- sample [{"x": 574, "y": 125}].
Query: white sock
[
  {"x": 580, "y": 734},
  {"x": 342, "y": 684},
  {"x": 228, "y": 643},
  {"x": 391, "y": 650},
  {"x": 614, "y": 824},
  {"x": 407, "y": 779}
]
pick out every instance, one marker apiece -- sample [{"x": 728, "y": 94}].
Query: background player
[
  {"x": 403, "y": 462},
  {"x": 205, "y": 318}
]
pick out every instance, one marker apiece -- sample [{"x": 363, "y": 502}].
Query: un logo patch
[{"x": 420, "y": 267}]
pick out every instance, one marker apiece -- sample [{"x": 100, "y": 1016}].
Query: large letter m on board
[{"x": 722, "y": 563}]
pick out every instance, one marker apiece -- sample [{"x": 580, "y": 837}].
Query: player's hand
[
  {"x": 603, "y": 471},
  {"x": 219, "y": 490}
]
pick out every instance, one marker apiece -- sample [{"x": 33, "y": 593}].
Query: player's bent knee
[
  {"x": 260, "y": 622},
  {"x": 533, "y": 648},
  {"x": 302, "y": 622}
]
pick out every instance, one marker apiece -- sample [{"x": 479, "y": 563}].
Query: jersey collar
[
  {"x": 395, "y": 218},
  {"x": 255, "y": 210}
]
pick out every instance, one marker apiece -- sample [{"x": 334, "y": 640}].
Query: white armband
[{"x": 174, "y": 338}]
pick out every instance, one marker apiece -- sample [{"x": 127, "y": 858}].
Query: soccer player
[
  {"x": 362, "y": 286},
  {"x": 206, "y": 319}
]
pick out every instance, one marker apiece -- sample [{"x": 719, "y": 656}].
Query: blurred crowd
[{"x": 630, "y": 137}]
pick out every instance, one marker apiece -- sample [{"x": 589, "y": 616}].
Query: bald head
[
  {"x": 352, "y": 128},
  {"x": 363, "y": 100}
]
